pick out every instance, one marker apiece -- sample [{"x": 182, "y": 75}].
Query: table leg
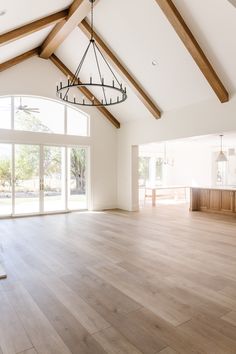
[{"x": 154, "y": 197}]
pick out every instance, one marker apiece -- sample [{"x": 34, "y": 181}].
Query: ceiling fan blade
[
  {"x": 28, "y": 109},
  {"x": 33, "y": 110}
]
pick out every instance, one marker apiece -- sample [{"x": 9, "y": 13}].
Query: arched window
[
  {"x": 42, "y": 115},
  {"x": 39, "y": 172},
  {"x": 5, "y": 113}
]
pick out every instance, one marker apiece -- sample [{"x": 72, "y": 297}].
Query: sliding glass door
[
  {"x": 77, "y": 178},
  {"x": 36, "y": 179},
  {"x": 54, "y": 178},
  {"x": 26, "y": 179}
]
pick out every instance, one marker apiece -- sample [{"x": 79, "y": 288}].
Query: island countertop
[
  {"x": 215, "y": 199},
  {"x": 224, "y": 188}
]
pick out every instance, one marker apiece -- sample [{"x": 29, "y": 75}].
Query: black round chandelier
[{"x": 108, "y": 92}]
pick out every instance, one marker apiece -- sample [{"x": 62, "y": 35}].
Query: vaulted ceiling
[{"x": 192, "y": 43}]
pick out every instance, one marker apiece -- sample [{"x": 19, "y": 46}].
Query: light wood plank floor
[{"x": 158, "y": 281}]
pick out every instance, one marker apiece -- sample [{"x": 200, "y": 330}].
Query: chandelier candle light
[{"x": 110, "y": 93}]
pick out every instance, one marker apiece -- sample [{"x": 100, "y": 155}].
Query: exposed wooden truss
[
  {"x": 183, "y": 31},
  {"x": 77, "y": 12},
  {"x": 32, "y": 27},
  {"x": 138, "y": 90},
  {"x": 84, "y": 90},
  {"x": 8, "y": 64},
  {"x": 233, "y": 2},
  {"x": 3, "y": 273},
  {"x": 67, "y": 20}
]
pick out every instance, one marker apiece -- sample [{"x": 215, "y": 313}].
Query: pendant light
[
  {"x": 221, "y": 157},
  {"x": 109, "y": 91}
]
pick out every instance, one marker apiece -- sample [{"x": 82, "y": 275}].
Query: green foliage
[
  {"x": 52, "y": 160},
  {"x": 27, "y": 162},
  {"x": 144, "y": 168},
  {"x": 27, "y": 157},
  {"x": 78, "y": 166},
  {"x": 5, "y": 172},
  {"x": 30, "y": 122}
]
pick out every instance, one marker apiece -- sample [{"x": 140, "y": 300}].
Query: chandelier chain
[
  {"x": 92, "y": 31},
  {"x": 118, "y": 82},
  {"x": 108, "y": 90},
  {"x": 76, "y": 74},
  {"x": 99, "y": 71}
]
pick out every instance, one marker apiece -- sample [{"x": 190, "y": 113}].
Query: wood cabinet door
[
  {"x": 215, "y": 199},
  {"x": 203, "y": 199},
  {"x": 227, "y": 201}
]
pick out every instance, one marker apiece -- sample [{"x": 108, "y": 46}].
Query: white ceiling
[
  {"x": 138, "y": 32},
  {"x": 211, "y": 141},
  {"x": 229, "y": 139},
  {"x": 21, "y": 12},
  {"x": 213, "y": 23},
  {"x": 70, "y": 53},
  {"x": 24, "y": 44}
]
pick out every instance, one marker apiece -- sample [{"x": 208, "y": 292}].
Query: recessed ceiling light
[
  {"x": 154, "y": 63},
  {"x": 3, "y": 12}
]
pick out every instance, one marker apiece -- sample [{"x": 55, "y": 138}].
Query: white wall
[
  {"x": 192, "y": 165},
  {"x": 40, "y": 77},
  {"x": 208, "y": 117},
  {"x": 112, "y": 156}
]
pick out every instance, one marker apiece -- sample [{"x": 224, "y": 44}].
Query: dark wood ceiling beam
[
  {"x": 233, "y": 2},
  {"x": 77, "y": 12},
  {"x": 115, "y": 62},
  {"x": 61, "y": 66},
  {"x": 184, "y": 33},
  {"x": 35, "y": 26},
  {"x": 20, "y": 58}
]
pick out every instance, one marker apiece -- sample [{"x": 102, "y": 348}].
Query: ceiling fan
[
  {"x": 20, "y": 108},
  {"x": 25, "y": 108}
]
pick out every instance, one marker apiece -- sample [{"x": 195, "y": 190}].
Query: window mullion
[
  {"x": 12, "y": 112},
  {"x": 65, "y": 120}
]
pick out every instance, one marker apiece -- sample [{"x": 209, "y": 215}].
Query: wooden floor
[{"x": 158, "y": 281}]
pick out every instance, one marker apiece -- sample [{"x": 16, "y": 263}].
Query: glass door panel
[
  {"x": 46, "y": 179},
  {"x": 77, "y": 171},
  {"x": 27, "y": 179},
  {"x": 54, "y": 178},
  {"x": 5, "y": 179}
]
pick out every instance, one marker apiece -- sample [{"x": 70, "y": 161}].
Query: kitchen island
[{"x": 213, "y": 199}]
